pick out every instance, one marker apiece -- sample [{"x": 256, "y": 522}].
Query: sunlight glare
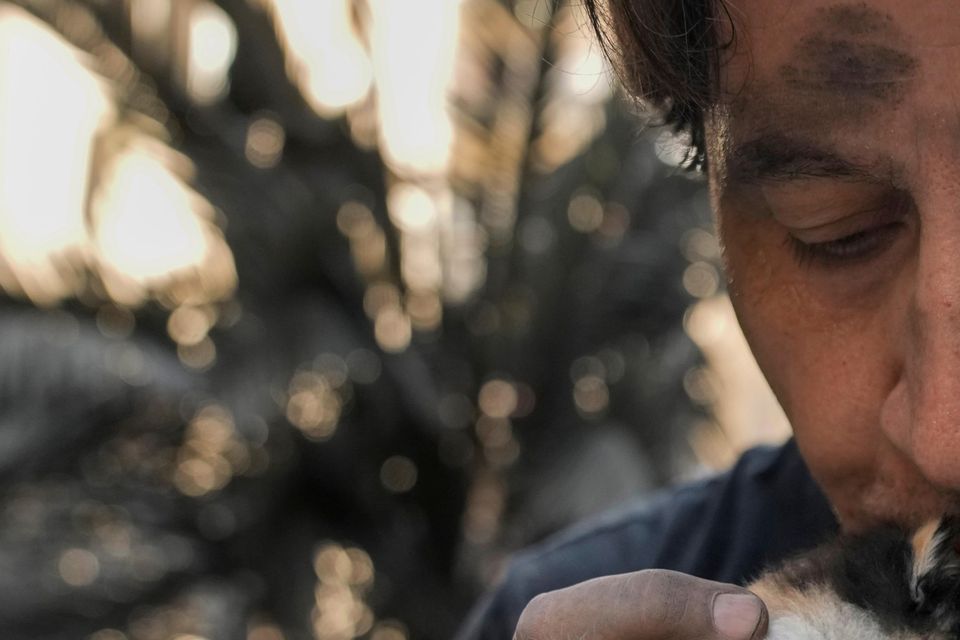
[
  {"x": 413, "y": 55},
  {"x": 150, "y": 226},
  {"x": 213, "y": 46},
  {"x": 48, "y": 129},
  {"x": 324, "y": 56}
]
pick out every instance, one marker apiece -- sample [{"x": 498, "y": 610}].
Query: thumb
[
  {"x": 739, "y": 615},
  {"x": 645, "y": 605}
]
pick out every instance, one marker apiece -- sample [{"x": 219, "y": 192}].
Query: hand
[{"x": 645, "y": 605}]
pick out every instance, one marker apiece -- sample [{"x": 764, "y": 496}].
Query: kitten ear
[{"x": 935, "y": 564}]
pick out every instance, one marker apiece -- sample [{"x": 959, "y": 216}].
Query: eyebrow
[{"x": 779, "y": 158}]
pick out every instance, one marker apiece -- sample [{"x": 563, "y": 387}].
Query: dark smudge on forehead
[
  {"x": 856, "y": 19},
  {"x": 848, "y": 68},
  {"x": 854, "y": 53}
]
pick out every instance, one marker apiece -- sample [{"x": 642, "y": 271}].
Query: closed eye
[{"x": 850, "y": 249}]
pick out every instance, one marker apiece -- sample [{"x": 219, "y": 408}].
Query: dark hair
[{"x": 666, "y": 53}]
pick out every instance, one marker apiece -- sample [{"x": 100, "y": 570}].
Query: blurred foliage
[{"x": 377, "y": 357}]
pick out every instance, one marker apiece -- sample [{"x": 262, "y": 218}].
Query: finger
[{"x": 645, "y": 605}]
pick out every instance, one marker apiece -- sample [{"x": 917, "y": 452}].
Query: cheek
[
  {"x": 822, "y": 342},
  {"x": 824, "y": 346}
]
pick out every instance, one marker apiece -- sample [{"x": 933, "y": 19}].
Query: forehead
[{"x": 827, "y": 66}]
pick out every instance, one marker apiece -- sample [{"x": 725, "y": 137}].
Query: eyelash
[{"x": 850, "y": 249}]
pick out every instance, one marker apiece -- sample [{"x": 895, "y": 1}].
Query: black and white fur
[{"x": 885, "y": 585}]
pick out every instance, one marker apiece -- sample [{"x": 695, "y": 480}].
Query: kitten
[{"x": 884, "y": 585}]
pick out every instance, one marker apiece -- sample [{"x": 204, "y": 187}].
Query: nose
[{"x": 922, "y": 413}]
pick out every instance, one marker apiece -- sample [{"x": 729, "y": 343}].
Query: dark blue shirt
[{"x": 725, "y": 528}]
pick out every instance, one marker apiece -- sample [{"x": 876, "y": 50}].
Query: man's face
[{"x": 834, "y": 172}]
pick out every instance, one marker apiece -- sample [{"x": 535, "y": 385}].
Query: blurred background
[{"x": 313, "y": 311}]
